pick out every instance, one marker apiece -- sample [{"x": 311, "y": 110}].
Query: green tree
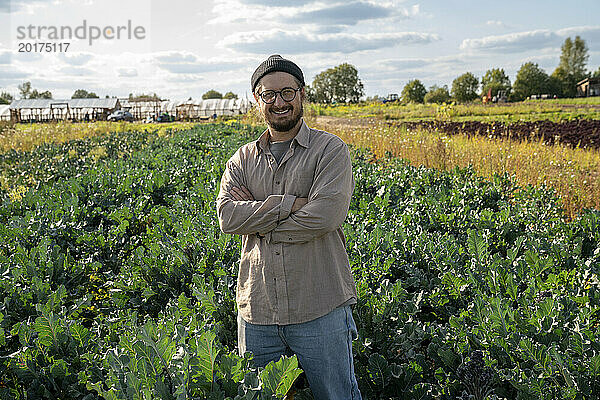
[
  {"x": 28, "y": 93},
  {"x": 494, "y": 80},
  {"x": 6, "y": 98},
  {"x": 230, "y": 95},
  {"x": 84, "y": 94},
  {"x": 596, "y": 73},
  {"x": 41, "y": 95},
  {"x": 572, "y": 66},
  {"x": 376, "y": 99},
  {"x": 437, "y": 95},
  {"x": 531, "y": 79},
  {"x": 144, "y": 97},
  {"x": 464, "y": 87},
  {"x": 339, "y": 84},
  {"x": 25, "y": 90},
  {"x": 414, "y": 92},
  {"x": 212, "y": 94}
]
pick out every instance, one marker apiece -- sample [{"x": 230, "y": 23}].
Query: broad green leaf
[
  {"x": 561, "y": 366},
  {"x": 59, "y": 369},
  {"x": 477, "y": 245},
  {"x": 277, "y": 377},
  {"x": 595, "y": 365},
  {"x": 134, "y": 386},
  {"x": 80, "y": 333},
  {"x": 147, "y": 360},
  {"x": 165, "y": 348},
  {"x": 163, "y": 391},
  {"x": 207, "y": 354},
  {"x": 48, "y": 328},
  {"x": 378, "y": 369}
]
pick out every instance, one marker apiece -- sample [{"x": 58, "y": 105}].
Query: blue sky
[{"x": 189, "y": 47}]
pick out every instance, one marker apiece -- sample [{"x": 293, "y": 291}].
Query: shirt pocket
[{"x": 299, "y": 183}]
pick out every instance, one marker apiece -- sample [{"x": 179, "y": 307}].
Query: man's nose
[{"x": 279, "y": 102}]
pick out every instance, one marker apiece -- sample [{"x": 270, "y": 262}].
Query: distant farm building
[
  {"x": 40, "y": 110},
  {"x": 143, "y": 108},
  {"x": 203, "y": 109},
  {"x": 4, "y": 112},
  {"x": 588, "y": 87},
  {"x": 185, "y": 110}
]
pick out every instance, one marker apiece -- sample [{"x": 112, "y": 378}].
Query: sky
[{"x": 181, "y": 48}]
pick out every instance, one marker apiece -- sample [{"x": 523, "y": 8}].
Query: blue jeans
[{"x": 323, "y": 347}]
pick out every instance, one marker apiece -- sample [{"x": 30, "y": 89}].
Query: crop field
[{"x": 118, "y": 284}]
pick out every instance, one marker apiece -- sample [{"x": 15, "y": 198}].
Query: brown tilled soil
[{"x": 583, "y": 133}]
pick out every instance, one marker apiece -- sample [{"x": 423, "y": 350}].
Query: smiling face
[{"x": 281, "y": 116}]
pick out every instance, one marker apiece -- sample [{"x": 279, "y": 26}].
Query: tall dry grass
[
  {"x": 573, "y": 173},
  {"x": 25, "y": 137}
]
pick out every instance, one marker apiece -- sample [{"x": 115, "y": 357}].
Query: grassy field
[{"x": 533, "y": 110}]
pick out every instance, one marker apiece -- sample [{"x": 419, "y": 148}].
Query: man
[{"x": 288, "y": 194}]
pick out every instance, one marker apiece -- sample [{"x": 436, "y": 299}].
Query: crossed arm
[
  {"x": 288, "y": 218},
  {"x": 243, "y": 194}
]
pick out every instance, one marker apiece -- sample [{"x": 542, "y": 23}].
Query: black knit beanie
[{"x": 276, "y": 63}]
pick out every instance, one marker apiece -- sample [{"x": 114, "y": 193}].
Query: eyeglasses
[{"x": 287, "y": 94}]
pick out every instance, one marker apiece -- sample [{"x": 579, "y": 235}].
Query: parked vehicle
[
  {"x": 165, "y": 117},
  {"x": 120, "y": 115},
  {"x": 392, "y": 97}
]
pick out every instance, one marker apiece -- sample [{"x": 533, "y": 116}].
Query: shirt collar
[{"x": 302, "y": 137}]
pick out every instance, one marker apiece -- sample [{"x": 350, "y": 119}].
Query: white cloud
[
  {"x": 5, "y": 56},
  {"x": 27, "y": 57},
  {"x": 495, "y": 23},
  {"x": 282, "y": 42},
  {"x": 350, "y": 13},
  {"x": 187, "y": 68},
  {"x": 77, "y": 71},
  {"x": 177, "y": 57},
  {"x": 9, "y": 74},
  {"x": 278, "y": 3},
  {"x": 75, "y": 58},
  {"x": 127, "y": 72},
  {"x": 24, "y": 6},
  {"x": 189, "y": 63},
  {"x": 236, "y": 12},
  {"x": 317, "y": 14},
  {"x": 434, "y": 69},
  {"x": 591, "y": 34},
  {"x": 407, "y": 63},
  {"x": 512, "y": 42},
  {"x": 531, "y": 40}
]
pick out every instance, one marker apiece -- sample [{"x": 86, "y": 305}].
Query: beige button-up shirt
[{"x": 294, "y": 266}]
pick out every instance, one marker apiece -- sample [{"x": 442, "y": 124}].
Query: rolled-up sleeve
[
  {"x": 328, "y": 200},
  {"x": 248, "y": 217}
]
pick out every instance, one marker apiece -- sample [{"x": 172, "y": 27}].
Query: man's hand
[
  {"x": 241, "y": 194},
  {"x": 299, "y": 203}
]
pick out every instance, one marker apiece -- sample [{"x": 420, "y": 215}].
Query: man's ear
[
  {"x": 255, "y": 96},
  {"x": 303, "y": 94}
]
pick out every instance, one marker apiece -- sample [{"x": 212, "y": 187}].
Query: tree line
[
  {"x": 341, "y": 84},
  {"x": 27, "y": 92}
]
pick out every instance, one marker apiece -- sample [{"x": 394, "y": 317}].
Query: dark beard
[{"x": 286, "y": 126}]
